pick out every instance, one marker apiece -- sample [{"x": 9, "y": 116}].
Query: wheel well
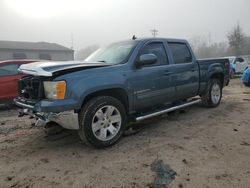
[
  {"x": 117, "y": 93},
  {"x": 218, "y": 76}
]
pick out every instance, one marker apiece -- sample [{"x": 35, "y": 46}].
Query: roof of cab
[{"x": 158, "y": 38}]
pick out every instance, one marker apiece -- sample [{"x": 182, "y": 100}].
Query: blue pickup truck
[{"x": 126, "y": 81}]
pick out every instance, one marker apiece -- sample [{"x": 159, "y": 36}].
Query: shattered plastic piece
[{"x": 164, "y": 174}]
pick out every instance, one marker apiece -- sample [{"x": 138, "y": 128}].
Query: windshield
[{"x": 116, "y": 53}]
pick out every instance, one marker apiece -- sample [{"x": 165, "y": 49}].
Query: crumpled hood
[{"x": 51, "y": 67}]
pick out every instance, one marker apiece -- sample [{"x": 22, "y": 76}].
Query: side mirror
[{"x": 147, "y": 59}]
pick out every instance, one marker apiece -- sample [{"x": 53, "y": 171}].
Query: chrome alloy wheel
[
  {"x": 106, "y": 123},
  {"x": 215, "y": 93}
]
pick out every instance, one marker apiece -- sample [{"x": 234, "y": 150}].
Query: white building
[{"x": 34, "y": 50}]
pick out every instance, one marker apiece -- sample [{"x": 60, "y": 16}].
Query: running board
[{"x": 140, "y": 118}]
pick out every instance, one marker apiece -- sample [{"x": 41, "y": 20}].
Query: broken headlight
[{"x": 54, "y": 89}]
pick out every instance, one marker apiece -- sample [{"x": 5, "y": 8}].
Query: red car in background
[{"x": 9, "y": 76}]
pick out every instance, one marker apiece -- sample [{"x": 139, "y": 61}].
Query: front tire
[
  {"x": 102, "y": 121},
  {"x": 213, "y": 95}
]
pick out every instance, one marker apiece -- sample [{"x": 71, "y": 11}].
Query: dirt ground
[{"x": 207, "y": 148}]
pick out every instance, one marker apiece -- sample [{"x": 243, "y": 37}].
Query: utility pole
[
  {"x": 72, "y": 41},
  {"x": 154, "y": 32}
]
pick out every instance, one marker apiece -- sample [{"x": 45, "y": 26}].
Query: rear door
[
  {"x": 8, "y": 80},
  {"x": 185, "y": 72}
]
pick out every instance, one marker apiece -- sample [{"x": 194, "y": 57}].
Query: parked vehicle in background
[
  {"x": 246, "y": 77},
  {"x": 237, "y": 66},
  {"x": 126, "y": 81},
  {"x": 9, "y": 77}
]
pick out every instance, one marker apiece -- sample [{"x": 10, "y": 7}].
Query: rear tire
[
  {"x": 213, "y": 95},
  {"x": 102, "y": 121}
]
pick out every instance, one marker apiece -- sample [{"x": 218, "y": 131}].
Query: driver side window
[{"x": 156, "y": 48}]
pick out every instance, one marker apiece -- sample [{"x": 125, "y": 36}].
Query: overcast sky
[{"x": 104, "y": 21}]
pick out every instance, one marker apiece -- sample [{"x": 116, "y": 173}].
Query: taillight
[{"x": 227, "y": 65}]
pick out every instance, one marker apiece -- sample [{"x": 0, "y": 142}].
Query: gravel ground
[{"x": 207, "y": 148}]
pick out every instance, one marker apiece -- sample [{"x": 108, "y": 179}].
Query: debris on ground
[
  {"x": 243, "y": 143},
  {"x": 184, "y": 161},
  {"x": 180, "y": 185},
  {"x": 246, "y": 99},
  {"x": 58, "y": 136},
  {"x": 132, "y": 130},
  {"x": 164, "y": 174}
]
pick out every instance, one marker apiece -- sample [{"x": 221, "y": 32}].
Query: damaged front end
[{"x": 35, "y": 100}]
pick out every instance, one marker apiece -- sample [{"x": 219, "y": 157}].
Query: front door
[{"x": 152, "y": 84}]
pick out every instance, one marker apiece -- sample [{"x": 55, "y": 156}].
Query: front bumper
[
  {"x": 47, "y": 105},
  {"x": 67, "y": 119}
]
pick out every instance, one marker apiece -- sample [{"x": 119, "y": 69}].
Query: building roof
[{"x": 18, "y": 45}]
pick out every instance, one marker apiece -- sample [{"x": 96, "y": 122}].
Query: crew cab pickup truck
[{"x": 126, "y": 81}]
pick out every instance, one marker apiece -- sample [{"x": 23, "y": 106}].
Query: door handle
[{"x": 193, "y": 69}]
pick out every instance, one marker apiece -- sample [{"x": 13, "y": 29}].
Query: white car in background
[{"x": 237, "y": 66}]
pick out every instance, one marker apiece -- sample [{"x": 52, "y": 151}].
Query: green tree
[
  {"x": 202, "y": 49},
  {"x": 236, "y": 39},
  {"x": 246, "y": 50}
]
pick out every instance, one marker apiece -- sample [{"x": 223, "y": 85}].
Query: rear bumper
[{"x": 67, "y": 119}]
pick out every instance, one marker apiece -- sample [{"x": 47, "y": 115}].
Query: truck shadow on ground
[
  {"x": 71, "y": 138},
  {"x": 164, "y": 125}
]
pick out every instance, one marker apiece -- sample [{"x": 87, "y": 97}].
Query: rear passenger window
[
  {"x": 181, "y": 53},
  {"x": 156, "y": 48}
]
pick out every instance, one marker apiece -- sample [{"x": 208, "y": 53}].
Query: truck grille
[{"x": 30, "y": 87}]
